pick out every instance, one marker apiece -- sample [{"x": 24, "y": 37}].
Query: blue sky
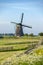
[{"x": 10, "y": 10}]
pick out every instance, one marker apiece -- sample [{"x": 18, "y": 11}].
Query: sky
[{"x": 11, "y": 10}]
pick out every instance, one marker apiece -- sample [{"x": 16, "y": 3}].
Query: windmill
[{"x": 19, "y": 29}]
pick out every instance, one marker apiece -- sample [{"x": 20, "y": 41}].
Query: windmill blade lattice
[
  {"x": 19, "y": 29},
  {"x": 14, "y": 23},
  {"x": 22, "y": 18},
  {"x": 26, "y": 26}
]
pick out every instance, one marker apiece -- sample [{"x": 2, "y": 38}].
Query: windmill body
[
  {"x": 19, "y": 30},
  {"x": 19, "y": 27}
]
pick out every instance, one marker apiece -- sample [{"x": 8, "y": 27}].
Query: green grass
[
  {"x": 19, "y": 45},
  {"x": 13, "y": 47},
  {"x": 13, "y": 44},
  {"x": 30, "y": 59},
  {"x": 12, "y": 41}
]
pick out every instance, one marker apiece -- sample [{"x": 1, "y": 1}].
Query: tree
[
  {"x": 40, "y": 34},
  {"x": 31, "y": 34},
  {"x": 26, "y": 34}
]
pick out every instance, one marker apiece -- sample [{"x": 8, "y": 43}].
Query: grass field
[{"x": 10, "y": 48}]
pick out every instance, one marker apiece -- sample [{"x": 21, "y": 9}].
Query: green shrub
[{"x": 40, "y": 34}]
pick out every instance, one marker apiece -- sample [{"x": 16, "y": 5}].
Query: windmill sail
[
  {"x": 26, "y": 26},
  {"x": 19, "y": 29},
  {"x": 22, "y": 18},
  {"x": 14, "y": 23}
]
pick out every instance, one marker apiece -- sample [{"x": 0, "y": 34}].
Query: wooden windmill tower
[{"x": 19, "y": 29}]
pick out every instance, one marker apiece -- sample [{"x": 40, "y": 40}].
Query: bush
[
  {"x": 31, "y": 34},
  {"x": 1, "y": 36},
  {"x": 26, "y": 34},
  {"x": 40, "y": 34}
]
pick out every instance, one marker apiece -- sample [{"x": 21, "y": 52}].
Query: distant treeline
[
  {"x": 13, "y": 35},
  {"x": 31, "y": 34},
  {"x": 7, "y": 35}
]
